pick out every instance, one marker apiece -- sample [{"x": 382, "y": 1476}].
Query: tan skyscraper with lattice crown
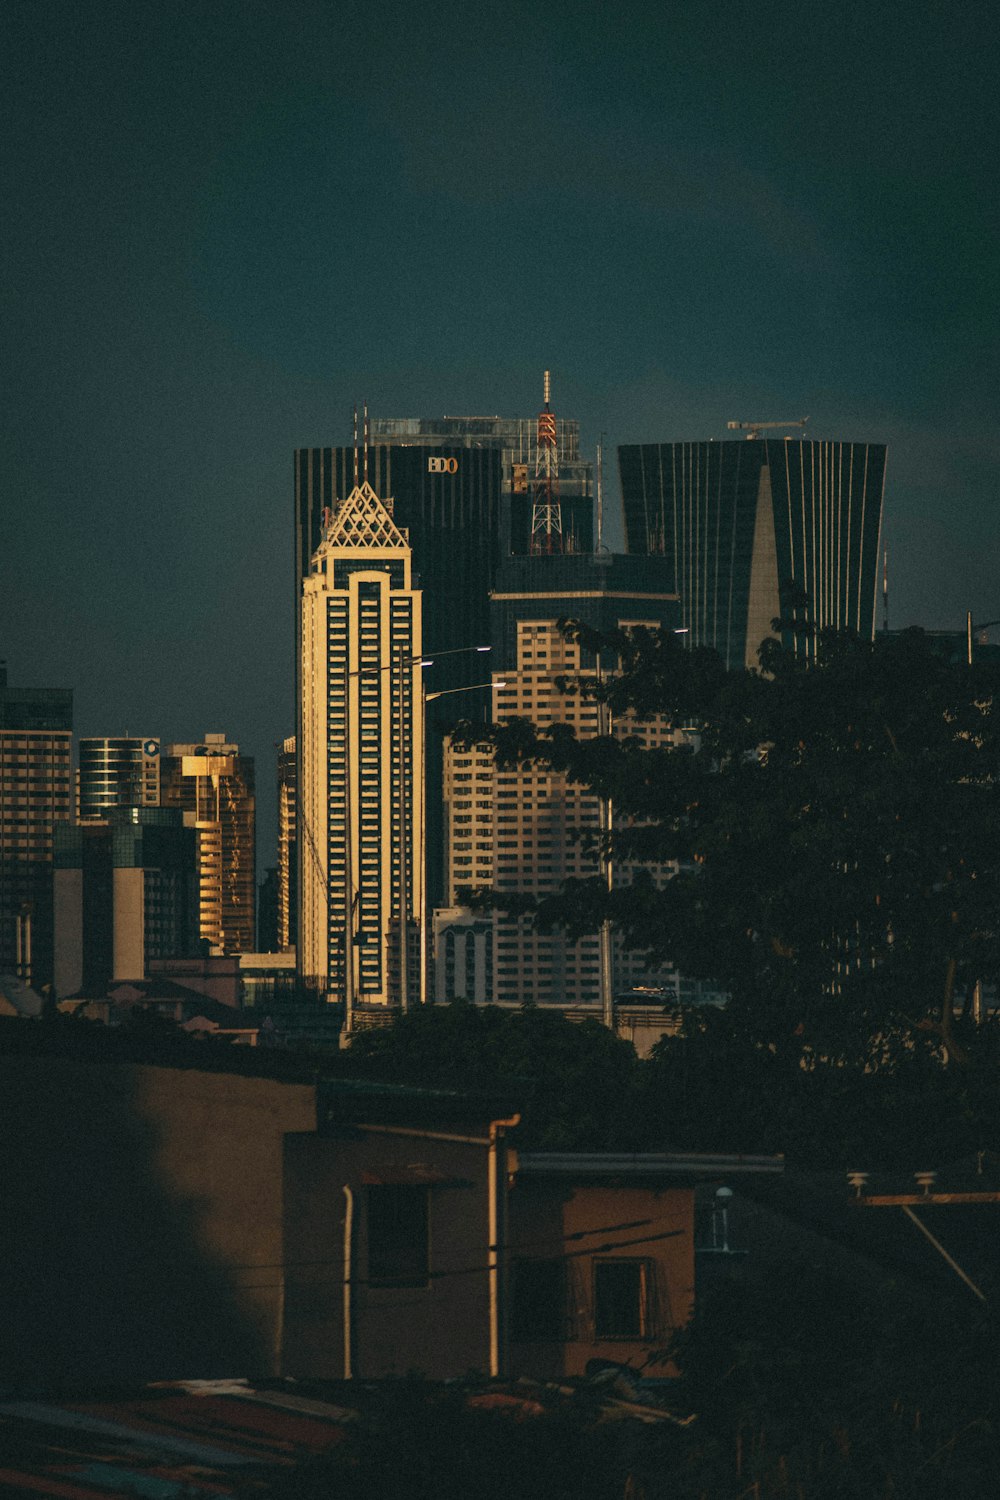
[{"x": 360, "y": 750}]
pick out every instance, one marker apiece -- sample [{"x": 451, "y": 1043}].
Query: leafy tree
[
  {"x": 816, "y": 1383},
  {"x": 834, "y": 823},
  {"x": 576, "y": 1081},
  {"x": 719, "y": 1084}
]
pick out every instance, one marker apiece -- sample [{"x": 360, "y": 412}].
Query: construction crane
[
  {"x": 754, "y": 429},
  {"x": 546, "y": 513}
]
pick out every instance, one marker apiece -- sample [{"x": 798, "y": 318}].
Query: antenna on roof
[
  {"x": 366, "y": 442},
  {"x": 355, "y": 446},
  {"x": 546, "y": 514}
]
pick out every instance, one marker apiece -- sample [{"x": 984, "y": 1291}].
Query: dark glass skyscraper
[
  {"x": 457, "y": 495},
  {"x": 126, "y": 891},
  {"x": 36, "y": 734},
  {"x": 737, "y": 521}
]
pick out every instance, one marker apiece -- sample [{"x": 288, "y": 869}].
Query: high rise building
[
  {"x": 267, "y": 911},
  {"x": 215, "y": 782},
  {"x": 512, "y": 828},
  {"x": 36, "y": 734},
  {"x": 360, "y": 789},
  {"x": 126, "y": 891},
  {"x": 122, "y": 772},
  {"x": 287, "y": 847},
  {"x": 461, "y": 488},
  {"x": 736, "y": 521}
]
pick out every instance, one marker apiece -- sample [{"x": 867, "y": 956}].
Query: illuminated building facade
[
  {"x": 736, "y": 521},
  {"x": 36, "y": 735},
  {"x": 461, "y": 489},
  {"x": 511, "y": 828},
  {"x": 287, "y": 847},
  {"x": 360, "y": 753},
  {"x": 216, "y": 783},
  {"x": 118, "y": 772}
]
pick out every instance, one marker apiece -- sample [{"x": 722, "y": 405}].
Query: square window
[{"x": 620, "y": 1299}]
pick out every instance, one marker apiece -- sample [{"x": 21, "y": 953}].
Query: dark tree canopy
[
  {"x": 834, "y": 824},
  {"x": 573, "y": 1082}
]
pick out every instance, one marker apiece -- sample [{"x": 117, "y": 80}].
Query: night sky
[{"x": 224, "y": 223}]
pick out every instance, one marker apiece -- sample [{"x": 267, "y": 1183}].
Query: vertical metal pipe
[
  {"x": 497, "y": 1250},
  {"x": 348, "y": 1268},
  {"x": 606, "y": 814}
]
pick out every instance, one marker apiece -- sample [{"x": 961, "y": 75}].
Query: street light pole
[{"x": 606, "y": 813}]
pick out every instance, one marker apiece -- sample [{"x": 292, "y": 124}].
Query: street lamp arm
[
  {"x": 421, "y": 660},
  {"x": 472, "y": 688}
]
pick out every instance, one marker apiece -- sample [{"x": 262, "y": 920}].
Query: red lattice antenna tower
[{"x": 546, "y": 513}]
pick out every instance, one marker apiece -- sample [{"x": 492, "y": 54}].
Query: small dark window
[
  {"x": 538, "y": 1300},
  {"x": 398, "y": 1236},
  {"x": 620, "y": 1299}
]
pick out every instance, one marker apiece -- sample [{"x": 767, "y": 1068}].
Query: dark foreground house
[
  {"x": 202, "y": 1211},
  {"x": 602, "y": 1254}
]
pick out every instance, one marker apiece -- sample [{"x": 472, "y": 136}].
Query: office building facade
[
  {"x": 36, "y": 748},
  {"x": 738, "y": 521},
  {"x": 118, "y": 772},
  {"x": 360, "y": 754},
  {"x": 461, "y": 489},
  {"x": 287, "y": 846},
  {"x": 513, "y": 828},
  {"x": 125, "y": 891},
  {"x": 216, "y": 783}
]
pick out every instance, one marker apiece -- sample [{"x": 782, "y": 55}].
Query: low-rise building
[{"x": 190, "y": 1209}]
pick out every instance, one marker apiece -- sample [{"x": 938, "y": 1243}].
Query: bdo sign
[{"x": 442, "y": 466}]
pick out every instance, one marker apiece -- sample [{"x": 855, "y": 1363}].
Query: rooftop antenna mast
[
  {"x": 600, "y": 493},
  {"x": 546, "y": 513},
  {"x": 355, "y": 446},
  {"x": 366, "y": 443}
]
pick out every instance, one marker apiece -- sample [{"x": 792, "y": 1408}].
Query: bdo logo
[{"x": 442, "y": 466}]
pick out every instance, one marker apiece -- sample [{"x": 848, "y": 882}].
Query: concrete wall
[
  {"x": 441, "y": 1329},
  {"x": 551, "y": 1219},
  {"x": 142, "y": 1220},
  {"x": 128, "y": 919},
  {"x": 67, "y": 932}
]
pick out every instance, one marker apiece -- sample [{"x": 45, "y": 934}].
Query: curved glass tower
[{"x": 738, "y": 521}]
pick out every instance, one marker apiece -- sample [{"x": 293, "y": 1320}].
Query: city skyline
[{"x": 784, "y": 219}]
